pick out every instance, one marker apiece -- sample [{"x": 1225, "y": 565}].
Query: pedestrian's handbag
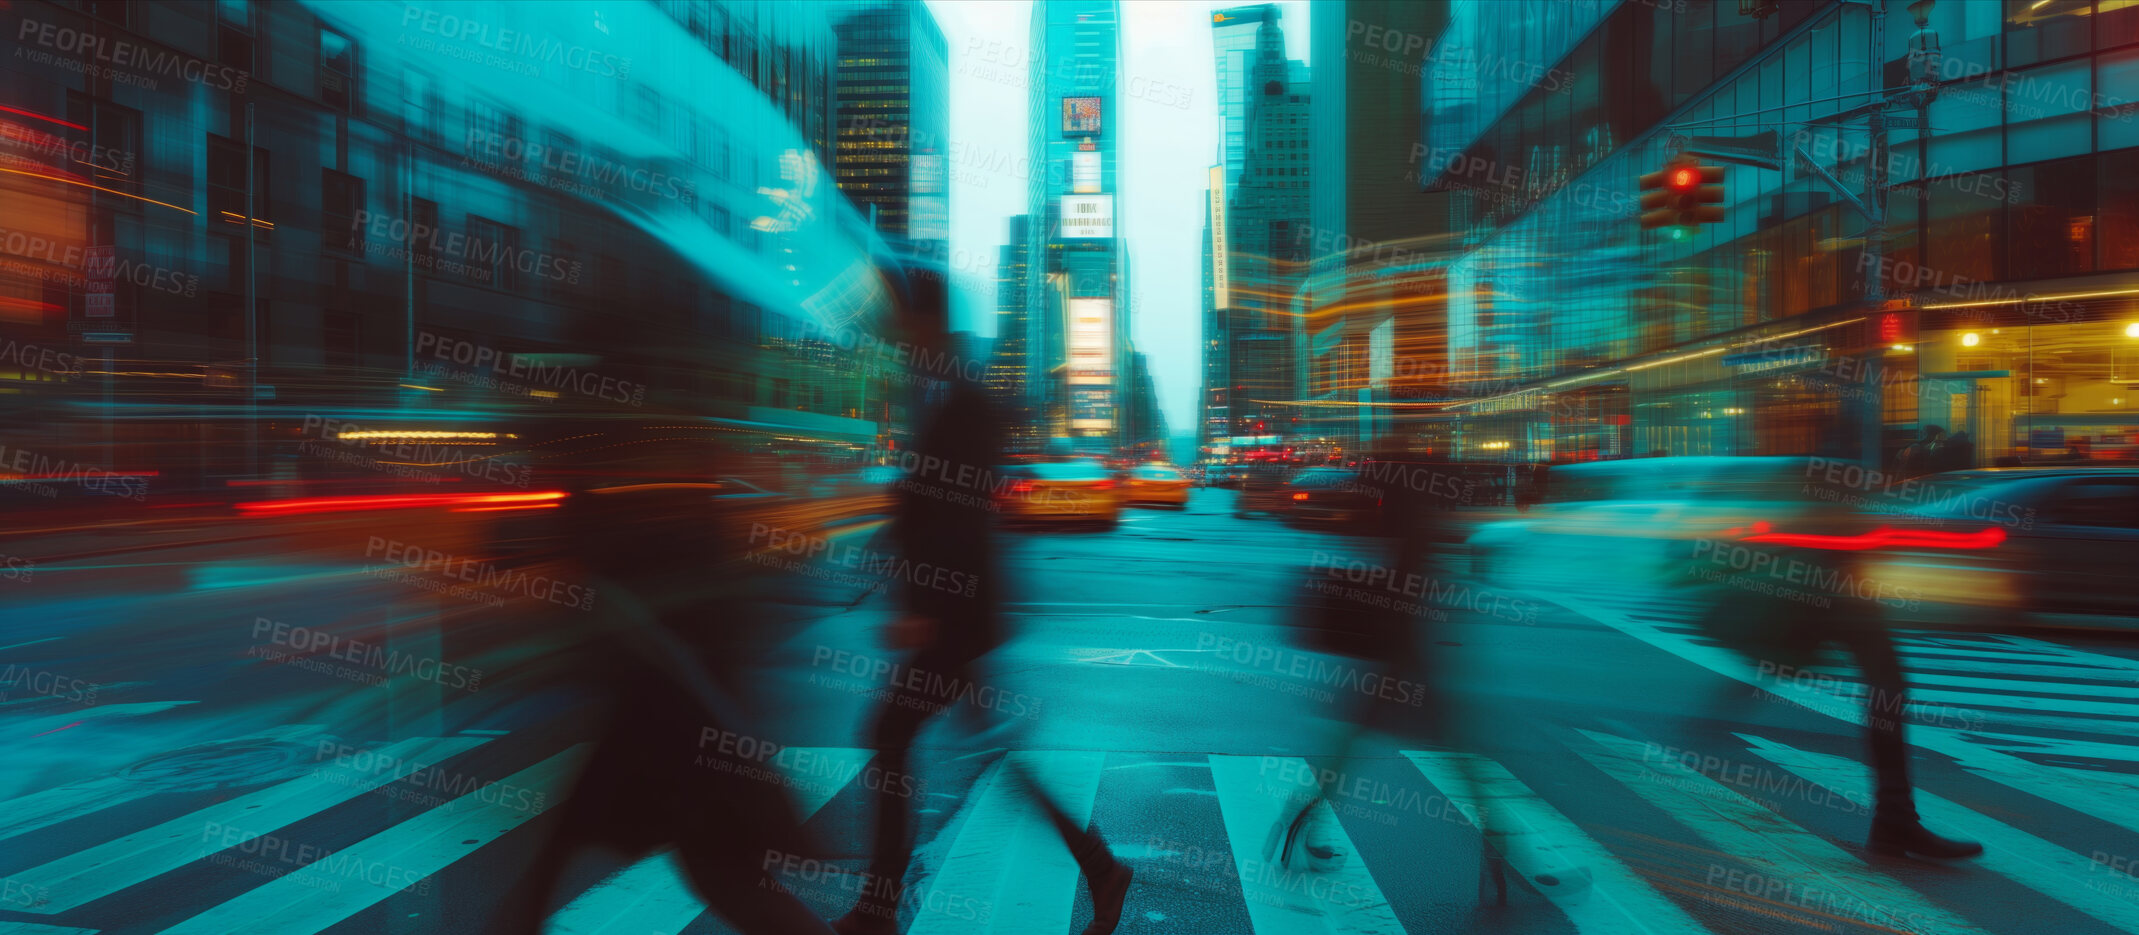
[{"x": 1764, "y": 628}]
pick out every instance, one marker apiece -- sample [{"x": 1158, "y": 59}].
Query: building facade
[
  {"x": 1373, "y": 318},
  {"x": 1077, "y": 294},
  {"x": 893, "y": 126},
  {"x": 281, "y": 210},
  {"x": 1986, "y": 283}
]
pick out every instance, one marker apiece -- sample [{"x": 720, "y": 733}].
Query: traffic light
[{"x": 1684, "y": 193}]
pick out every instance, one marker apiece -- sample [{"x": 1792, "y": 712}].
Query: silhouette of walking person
[
  {"x": 945, "y": 520},
  {"x": 648, "y": 784}
]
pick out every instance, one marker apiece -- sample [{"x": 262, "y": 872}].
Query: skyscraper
[
  {"x": 1008, "y": 368},
  {"x": 1374, "y": 328},
  {"x": 1256, "y": 233},
  {"x": 893, "y": 97},
  {"x": 1077, "y": 285},
  {"x": 1233, "y": 43}
]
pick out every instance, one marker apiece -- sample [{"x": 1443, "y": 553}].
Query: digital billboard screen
[{"x": 1080, "y": 116}]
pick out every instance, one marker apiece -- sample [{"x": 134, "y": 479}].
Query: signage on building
[
  {"x": 1080, "y": 116},
  {"x": 1084, "y": 172},
  {"x": 1775, "y": 358},
  {"x": 1221, "y": 278},
  {"x": 1087, "y": 217},
  {"x": 99, "y": 295},
  {"x": 1091, "y": 340}
]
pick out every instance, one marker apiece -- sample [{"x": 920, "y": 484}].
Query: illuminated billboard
[
  {"x": 1087, "y": 216},
  {"x": 1084, "y": 173},
  {"x": 1221, "y": 276},
  {"x": 1080, "y": 116},
  {"x": 1091, "y": 341}
]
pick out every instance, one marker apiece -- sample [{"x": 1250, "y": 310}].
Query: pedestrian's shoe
[
  {"x": 1302, "y": 843},
  {"x": 1109, "y": 891},
  {"x": 1900, "y": 837},
  {"x": 869, "y": 917}
]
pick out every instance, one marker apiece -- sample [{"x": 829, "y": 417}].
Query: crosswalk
[
  {"x": 2026, "y": 697},
  {"x": 1607, "y": 832}
]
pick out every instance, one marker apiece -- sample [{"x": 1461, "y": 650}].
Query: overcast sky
[{"x": 1168, "y": 107}]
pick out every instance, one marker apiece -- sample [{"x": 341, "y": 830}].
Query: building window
[
  {"x": 235, "y": 29},
  {"x": 2119, "y": 191},
  {"x": 227, "y": 186},
  {"x": 491, "y": 249},
  {"x": 419, "y": 106},
  {"x": 114, "y": 144},
  {"x": 490, "y": 125},
  {"x": 337, "y": 71},
  {"x": 423, "y": 217},
  {"x": 341, "y": 202},
  {"x": 2052, "y": 219},
  {"x": 1966, "y": 225}
]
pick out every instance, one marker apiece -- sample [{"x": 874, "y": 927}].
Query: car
[
  {"x": 1156, "y": 483},
  {"x": 1332, "y": 495},
  {"x": 2066, "y": 545},
  {"x": 1079, "y": 490},
  {"x": 1633, "y": 519},
  {"x": 1262, "y": 488}
]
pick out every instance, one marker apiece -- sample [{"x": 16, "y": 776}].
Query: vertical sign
[
  {"x": 1221, "y": 281},
  {"x": 99, "y": 299},
  {"x": 1084, "y": 173}
]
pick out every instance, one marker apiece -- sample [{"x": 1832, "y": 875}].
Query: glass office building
[
  {"x": 427, "y": 212},
  {"x": 2007, "y": 273}
]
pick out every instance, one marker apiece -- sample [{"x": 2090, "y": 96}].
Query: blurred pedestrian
[
  {"x": 1765, "y": 604},
  {"x": 945, "y": 519},
  {"x": 1375, "y": 613},
  {"x": 659, "y": 685}
]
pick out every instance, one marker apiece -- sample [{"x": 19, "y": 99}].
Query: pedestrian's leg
[
  {"x": 1885, "y": 726},
  {"x": 1109, "y": 878},
  {"x": 898, "y": 723},
  {"x": 1896, "y": 830}
]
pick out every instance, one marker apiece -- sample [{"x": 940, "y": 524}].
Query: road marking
[
  {"x": 1536, "y": 839},
  {"x": 357, "y": 877},
  {"x": 32, "y": 928},
  {"x": 1983, "y": 760},
  {"x": 1008, "y": 871},
  {"x": 1778, "y": 848},
  {"x": 48, "y": 807},
  {"x": 96, "y": 872},
  {"x": 2031, "y": 703},
  {"x": 2059, "y": 746},
  {"x": 655, "y": 895},
  {"x": 29, "y": 643},
  {"x": 2033, "y": 862},
  {"x": 1281, "y": 901},
  {"x": 2021, "y": 685}
]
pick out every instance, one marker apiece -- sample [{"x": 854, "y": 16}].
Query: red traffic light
[{"x": 1686, "y": 178}]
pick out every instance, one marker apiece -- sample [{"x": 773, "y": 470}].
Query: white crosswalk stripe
[
  {"x": 95, "y": 872},
  {"x": 1815, "y": 876},
  {"x": 46, "y": 807},
  {"x": 1284, "y": 901},
  {"x": 2027, "y": 859},
  {"x": 1008, "y": 871},
  {"x": 1600, "y": 895},
  {"x": 1001, "y": 868},
  {"x": 377, "y": 867},
  {"x": 1977, "y": 683}
]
